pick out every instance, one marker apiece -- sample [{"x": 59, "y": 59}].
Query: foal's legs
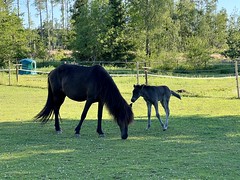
[
  {"x": 99, "y": 126},
  {"x": 165, "y": 104},
  {"x": 149, "y": 106},
  {"x": 83, "y": 116},
  {"x": 157, "y": 113}
]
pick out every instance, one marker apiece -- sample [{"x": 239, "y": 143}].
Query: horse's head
[
  {"x": 136, "y": 93},
  {"x": 124, "y": 120}
]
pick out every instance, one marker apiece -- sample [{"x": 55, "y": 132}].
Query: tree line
[{"x": 173, "y": 32}]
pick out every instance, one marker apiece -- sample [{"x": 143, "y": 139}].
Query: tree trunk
[
  {"x": 48, "y": 25},
  {"x": 29, "y": 15}
]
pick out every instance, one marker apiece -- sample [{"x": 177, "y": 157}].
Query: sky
[{"x": 230, "y": 5}]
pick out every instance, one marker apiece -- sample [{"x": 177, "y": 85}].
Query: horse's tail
[
  {"x": 47, "y": 111},
  {"x": 176, "y": 94}
]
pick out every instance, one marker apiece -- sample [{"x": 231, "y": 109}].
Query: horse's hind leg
[
  {"x": 99, "y": 126},
  {"x": 157, "y": 114},
  {"x": 58, "y": 101},
  {"x": 165, "y": 104}
]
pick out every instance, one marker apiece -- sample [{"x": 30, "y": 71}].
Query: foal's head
[{"x": 136, "y": 93}]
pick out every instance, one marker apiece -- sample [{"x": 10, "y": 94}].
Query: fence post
[
  {"x": 17, "y": 72},
  {"x": 137, "y": 73},
  {"x": 9, "y": 73},
  {"x": 236, "y": 73},
  {"x": 146, "y": 74}
]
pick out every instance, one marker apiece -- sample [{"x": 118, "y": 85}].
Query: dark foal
[{"x": 153, "y": 94}]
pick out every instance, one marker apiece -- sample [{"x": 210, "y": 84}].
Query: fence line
[
  {"x": 184, "y": 77},
  {"x": 132, "y": 75},
  {"x": 137, "y": 75}
]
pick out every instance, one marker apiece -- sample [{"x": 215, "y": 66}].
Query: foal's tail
[
  {"x": 47, "y": 111},
  {"x": 176, "y": 94}
]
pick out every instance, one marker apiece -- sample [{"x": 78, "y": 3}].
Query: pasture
[{"x": 202, "y": 141}]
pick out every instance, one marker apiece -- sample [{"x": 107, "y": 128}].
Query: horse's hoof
[
  {"x": 101, "y": 135},
  {"x": 77, "y": 135},
  {"x": 59, "y": 132}
]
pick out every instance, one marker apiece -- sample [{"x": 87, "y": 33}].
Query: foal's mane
[{"x": 111, "y": 96}]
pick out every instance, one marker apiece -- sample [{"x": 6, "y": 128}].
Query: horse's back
[
  {"x": 157, "y": 93},
  {"x": 75, "y": 72},
  {"x": 77, "y": 82}
]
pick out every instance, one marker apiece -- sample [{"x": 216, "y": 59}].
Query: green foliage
[
  {"x": 89, "y": 26},
  {"x": 13, "y": 42},
  {"x": 152, "y": 28},
  {"x": 198, "y": 53},
  {"x": 101, "y": 32},
  {"x": 168, "y": 61},
  {"x": 233, "y": 39},
  {"x": 121, "y": 30}
]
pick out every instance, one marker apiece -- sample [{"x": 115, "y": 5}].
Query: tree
[
  {"x": 233, "y": 39},
  {"x": 101, "y": 31},
  {"x": 89, "y": 26},
  {"x": 116, "y": 42},
  {"x": 198, "y": 53},
  {"x": 13, "y": 41},
  {"x": 187, "y": 16},
  {"x": 39, "y": 7},
  {"x": 147, "y": 21},
  {"x": 29, "y": 15}
]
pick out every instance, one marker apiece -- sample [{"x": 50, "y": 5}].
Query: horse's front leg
[
  {"x": 149, "y": 106},
  {"x": 83, "y": 116},
  {"x": 99, "y": 126}
]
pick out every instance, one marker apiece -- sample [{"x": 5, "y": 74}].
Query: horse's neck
[{"x": 144, "y": 92}]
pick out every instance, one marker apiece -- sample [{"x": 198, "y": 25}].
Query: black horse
[{"x": 92, "y": 84}]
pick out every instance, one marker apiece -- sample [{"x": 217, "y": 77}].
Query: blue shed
[{"x": 28, "y": 66}]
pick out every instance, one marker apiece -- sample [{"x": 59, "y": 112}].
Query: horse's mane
[{"x": 111, "y": 96}]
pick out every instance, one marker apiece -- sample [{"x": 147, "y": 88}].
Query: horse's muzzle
[
  {"x": 125, "y": 136},
  {"x": 133, "y": 100},
  {"x": 124, "y": 132}
]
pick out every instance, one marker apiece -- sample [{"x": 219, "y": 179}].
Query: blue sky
[{"x": 229, "y": 5}]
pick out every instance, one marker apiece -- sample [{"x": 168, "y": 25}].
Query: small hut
[{"x": 28, "y": 66}]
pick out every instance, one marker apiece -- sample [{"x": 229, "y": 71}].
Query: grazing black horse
[
  {"x": 153, "y": 94},
  {"x": 92, "y": 84}
]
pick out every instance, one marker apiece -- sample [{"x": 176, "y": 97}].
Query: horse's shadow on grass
[{"x": 178, "y": 126}]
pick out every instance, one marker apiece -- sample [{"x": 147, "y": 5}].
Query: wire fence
[{"x": 143, "y": 69}]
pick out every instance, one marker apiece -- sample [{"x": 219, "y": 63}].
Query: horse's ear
[
  {"x": 134, "y": 85},
  {"x": 130, "y": 104}
]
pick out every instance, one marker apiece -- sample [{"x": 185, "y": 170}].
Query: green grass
[{"x": 202, "y": 141}]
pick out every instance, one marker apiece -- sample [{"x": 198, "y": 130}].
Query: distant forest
[{"x": 168, "y": 31}]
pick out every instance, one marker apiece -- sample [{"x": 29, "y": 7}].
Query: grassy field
[{"x": 202, "y": 141}]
